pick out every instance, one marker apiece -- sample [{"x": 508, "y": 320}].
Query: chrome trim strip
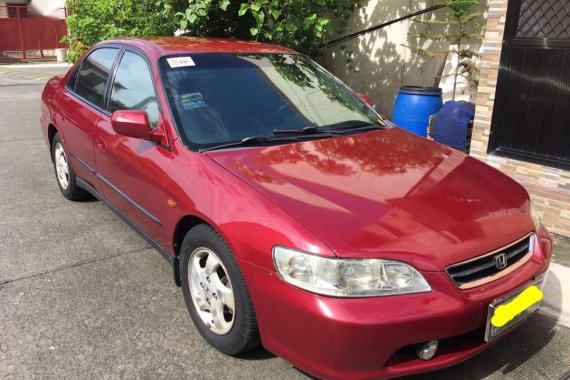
[{"x": 500, "y": 274}]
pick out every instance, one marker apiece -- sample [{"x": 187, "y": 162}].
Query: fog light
[{"x": 427, "y": 350}]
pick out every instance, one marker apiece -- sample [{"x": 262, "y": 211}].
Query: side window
[
  {"x": 71, "y": 81},
  {"x": 93, "y": 74},
  {"x": 133, "y": 89}
]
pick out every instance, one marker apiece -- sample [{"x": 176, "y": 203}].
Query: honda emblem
[{"x": 501, "y": 261}]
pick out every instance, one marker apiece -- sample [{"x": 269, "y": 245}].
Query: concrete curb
[{"x": 556, "y": 302}]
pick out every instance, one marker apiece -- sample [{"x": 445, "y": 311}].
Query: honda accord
[{"x": 293, "y": 215}]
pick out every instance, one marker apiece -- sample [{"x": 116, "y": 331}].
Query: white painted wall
[
  {"x": 42, "y": 7},
  {"x": 49, "y": 7},
  {"x": 380, "y": 64}
]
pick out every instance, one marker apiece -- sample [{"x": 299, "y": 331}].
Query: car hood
[{"x": 388, "y": 194}]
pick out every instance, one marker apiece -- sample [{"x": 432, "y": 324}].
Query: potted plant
[{"x": 451, "y": 125}]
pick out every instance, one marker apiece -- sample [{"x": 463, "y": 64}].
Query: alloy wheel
[
  {"x": 211, "y": 290},
  {"x": 61, "y": 166}
]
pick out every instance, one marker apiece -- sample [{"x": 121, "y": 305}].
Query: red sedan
[{"x": 293, "y": 215}]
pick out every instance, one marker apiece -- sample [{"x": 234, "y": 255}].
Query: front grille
[{"x": 492, "y": 265}]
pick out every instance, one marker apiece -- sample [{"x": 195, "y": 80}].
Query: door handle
[{"x": 101, "y": 144}]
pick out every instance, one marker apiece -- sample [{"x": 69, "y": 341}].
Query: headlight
[
  {"x": 535, "y": 216},
  {"x": 347, "y": 277}
]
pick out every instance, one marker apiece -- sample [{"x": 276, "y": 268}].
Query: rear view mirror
[{"x": 132, "y": 124}]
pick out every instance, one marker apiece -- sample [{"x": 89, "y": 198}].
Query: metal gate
[
  {"x": 531, "y": 117},
  {"x": 26, "y": 35}
]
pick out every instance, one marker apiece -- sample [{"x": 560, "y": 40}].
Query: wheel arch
[
  {"x": 52, "y": 131},
  {"x": 185, "y": 224}
]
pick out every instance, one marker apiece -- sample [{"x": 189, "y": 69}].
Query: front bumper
[{"x": 364, "y": 338}]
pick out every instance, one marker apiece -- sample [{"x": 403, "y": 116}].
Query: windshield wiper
[
  {"x": 250, "y": 140},
  {"x": 327, "y": 129},
  {"x": 307, "y": 131}
]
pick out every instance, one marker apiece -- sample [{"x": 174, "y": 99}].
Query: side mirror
[
  {"x": 365, "y": 98},
  {"x": 134, "y": 124}
]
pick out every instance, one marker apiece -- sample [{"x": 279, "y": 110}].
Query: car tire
[
  {"x": 208, "y": 272},
  {"x": 64, "y": 174}
]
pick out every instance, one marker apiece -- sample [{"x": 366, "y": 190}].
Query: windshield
[{"x": 222, "y": 98}]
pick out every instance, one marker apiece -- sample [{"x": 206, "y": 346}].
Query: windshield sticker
[
  {"x": 180, "y": 62},
  {"x": 192, "y": 101}
]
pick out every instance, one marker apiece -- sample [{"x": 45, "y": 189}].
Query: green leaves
[
  {"x": 456, "y": 32},
  {"x": 276, "y": 13},
  {"x": 224, "y": 5},
  {"x": 244, "y": 7},
  {"x": 298, "y": 24},
  {"x": 308, "y": 21},
  {"x": 473, "y": 36},
  {"x": 465, "y": 18},
  {"x": 96, "y": 20},
  {"x": 433, "y": 37},
  {"x": 259, "y": 17},
  {"x": 434, "y": 21},
  {"x": 320, "y": 27},
  {"x": 191, "y": 16},
  {"x": 459, "y": 6}
]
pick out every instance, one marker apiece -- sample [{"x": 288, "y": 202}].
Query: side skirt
[{"x": 173, "y": 261}]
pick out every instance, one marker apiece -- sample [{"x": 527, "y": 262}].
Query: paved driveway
[{"x": 83, "y": 296}]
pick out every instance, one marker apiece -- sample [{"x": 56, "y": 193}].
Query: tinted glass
[
  {"x": 72, "y": 79},
  {"x": 93, "y": 75},
  {"x": 133, "y": 88},
  {"x": 219, "y": 98}
]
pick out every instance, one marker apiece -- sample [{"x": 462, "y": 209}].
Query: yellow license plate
[{"x": 512, "y": 309}]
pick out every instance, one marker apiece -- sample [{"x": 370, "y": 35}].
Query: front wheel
[{"x": 215, "y": 292}]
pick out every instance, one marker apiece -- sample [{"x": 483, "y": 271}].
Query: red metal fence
[{"x": 24, "y": 34}]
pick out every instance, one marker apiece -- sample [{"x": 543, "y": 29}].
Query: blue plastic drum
[{"x": 414, "y": 105}]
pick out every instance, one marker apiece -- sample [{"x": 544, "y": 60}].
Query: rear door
[
  {"x": 81, "y": 105},
  {"x": 132, "y": 171}
]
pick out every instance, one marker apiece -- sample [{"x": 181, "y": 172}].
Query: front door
[
  {"x": 77, "y": 126},
  {"x": 132, "y": 171},
  {"x": 531, "y": 117}
]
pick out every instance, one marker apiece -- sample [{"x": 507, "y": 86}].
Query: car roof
[{"x": 181, "y": 45}]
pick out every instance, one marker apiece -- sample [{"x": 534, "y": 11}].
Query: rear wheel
[
  {"x": 64, "y": 172},
  {"x": 215, "y": 292}
]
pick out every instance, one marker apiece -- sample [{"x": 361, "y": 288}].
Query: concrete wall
[
  {"x": 49, "y": 7},
  {"x": 380, "y": 64},
  {"x": 52, "y": 8}
]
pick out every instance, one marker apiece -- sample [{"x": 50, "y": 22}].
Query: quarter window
[
  {"x": 93, "y": 75},
  {"x": 133, "y": 88}
]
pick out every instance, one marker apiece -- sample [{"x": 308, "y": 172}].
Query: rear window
[{"x": 93, "y": 75}]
